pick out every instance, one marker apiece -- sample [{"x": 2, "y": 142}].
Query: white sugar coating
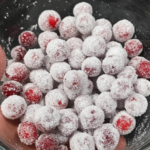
[
  {"x": 117, "y": 51},
  {"x": 61, "y": 86},
  {"x": 85, "y": 23},
  {"x": 121, "y": 88},
  {"x": 81, "y": 141},
  {"x": 82, "y": 102},
  {"x": 28, "y": 85},
  {"x": 128, "y": 72},
  {"x": 124, "y": 122},
  {"x": 133, "y": 47},
  {"x": 62, "y": 147},
  {"x": 49, "y": 20},
  {"x": 104, "y": 82},
  {"x": 94, "y": 46},
  {"x": 136, "y": 105},
  {"x": 58, "y": 70},
  {"x": 112, "y": 44},
  {"x": 91, "y": 66},
  {"x": 91, "y": 117},
  {"x": 46, "y": 118},
  {"x": 67, "y": 28},
  {"x": 136, "y": 60},
  {"x": 10, "y": 61},
  {"x": 61, "y": 138},
  {"x": 103, "y": 22},
  {"x": 45, "y": 37},
  {"x": 13, "y": 107},
  {"x": 94, "y": 97},
  {"x": 18, "y": 52},
  {"x": 76, "y": 58},
  {"x": 58, "y": 50},
  {"x": 82, "y": 7},
  {"x": 68, "y": 122},
  {"x": 33, "y": 59},
  {"x": 47, "y": 63},
  {"x": 88, "y": 87},
  {"x": 142, "y": 86},
  {"x": 42, "y": 79},
  {"x": 106, "y": 137},
  {"x": 112, "y": 65},
  {"x": 84, "y": 36},
  {"x": 29, "y": 114},
  {"x": 103, "y": 31},
  {"x": 56, "y": 98},
  {"x": 123, "y": 30},
  {"x": 106, "y": 103},
  {"x": 74, "y": 43}
]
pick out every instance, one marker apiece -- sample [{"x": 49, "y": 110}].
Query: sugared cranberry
[
  {"x": 27, "y": 39},
  {"x": 12, "y": 88},
  {"x": 27, "y": 133},
  {"x": 18, "y": 52},
  {"x": 112, "y": 44},
  {"x": 104, "y": 23}
]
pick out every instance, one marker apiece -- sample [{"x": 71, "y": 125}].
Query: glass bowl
[{"x": 19, "y": 15}]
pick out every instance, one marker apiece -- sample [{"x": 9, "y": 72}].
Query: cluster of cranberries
[{"x": 52, "y": 89}]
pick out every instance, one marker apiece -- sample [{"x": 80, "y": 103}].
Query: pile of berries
[{"x": 52, "y": 89}]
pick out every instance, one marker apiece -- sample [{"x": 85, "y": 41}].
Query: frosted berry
[
  {"x": 27, "y": 133},
  {"x": 104, "y": 23},
  {"x": 29, "y": 114},
  {"x": 76, "y": 58},
  {"x": 17, "y": 71},
  {"x": 49, "y": 20},
  {"x": 45, "y": 37},
  {"x": 74, "y": 43},
  {"x": 94, "y": 46},
  {"x": 124, "y": 122},
  {"x": 27, "y": 39},
  {"x": 68, "y": 122},
  {"x": 58, "y": 50},
  {"x": 133, "y": 47},
  {"x": 106, "y": 103},
  {"x": 143, "y": 69},
  {"x": 103, "y": 31},
  {"x": 46, "y": 142},
  {"x": 11, "y": 88},
  {"x": 121, "y": 88},
  {"x": 88, "y": 87},
  {"x": 123, "y": 30},
  {"x": 67, "y": 28},
  {"x": 142, "y": 86},
  {"x": 85, "y": 23},
  {"x": 32, "y": 93},
  {"x": 58, "y": 70},
  {"x": 82, "y": 102},
  {"x": 42, "y": 79},
  {"x": 134, "y": 62},
  {"x": 18, "y": 52},
  {"x": 112, "y": 44},
  {"x": 128, "y": 72},
  {"x": 82, "y": 7},
  {"x": 56, "y": 98},
  {"x": 83, "y": 140},
  {"x": 91, "y": 66},
  {"x": 46, "y": 118},
  {"x": 91, "y": 117},
  {"x": 104, "y": 82},
  {"x": 106, "y": 137},
  {"x": 61, "y": 138},
  {"x": 136, "y": 105},
  {"x": 13, "y": 107},
  {"x": 62, "y": 147},
  {"x": 34, "y": 58}
]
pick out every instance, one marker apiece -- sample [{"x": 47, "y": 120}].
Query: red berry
[
  {"x": 27, "y": 39},
  {"x": 27, "y": 133},
  {"x": 143, "y": 69},
  {"x": 46, "y": 142},
  {"x": 11, "y": 88},
  {"x": 133, "y": 47},
  {"x": 17, "y": 71},
  {"x": 18, "y": 52},
  {"x": 32, "y": 93}
]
